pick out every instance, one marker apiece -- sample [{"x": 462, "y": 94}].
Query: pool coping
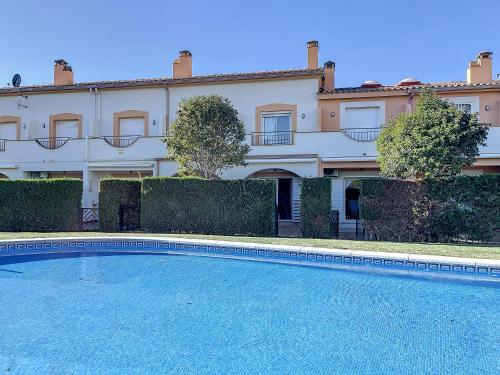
[{"x": 489, "y": 268}]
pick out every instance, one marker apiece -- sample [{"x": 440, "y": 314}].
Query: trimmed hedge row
[
  {"x": 40, "y": 205},
  {"x": 316, "y": 207},
  {"x": 193, "y": 205},
  {"x": 116, "y": 192},
  {"x": 463, "y": 207}
]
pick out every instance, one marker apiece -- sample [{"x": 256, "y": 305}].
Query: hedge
[
  {"x": 316, "y": 207},
  {"x": 193, "y": 205},
  {"x": 116, "y": 192},
  {"x": 460, "y": 208},
  {"x": 40, "y": 205}
]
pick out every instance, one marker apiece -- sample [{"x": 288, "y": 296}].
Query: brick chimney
[
  {"x": 312, "y": 54},
  {"x": 182, "y": 67},
  {"x": 329, "y": 75},
  {"x": 63, "y": 74},
  {"x": 481, "y": 70}
]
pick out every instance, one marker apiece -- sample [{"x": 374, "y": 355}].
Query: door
[{"x": 285, "y": 199}]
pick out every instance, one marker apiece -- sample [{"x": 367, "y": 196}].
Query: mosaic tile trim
[{"x": 13, "y": 248}]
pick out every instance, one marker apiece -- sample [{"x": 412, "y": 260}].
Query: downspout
[{"x": 167, "y": 108}]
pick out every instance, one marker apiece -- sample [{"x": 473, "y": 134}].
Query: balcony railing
[
  {"x": 121, "y": 141},
  {"x": 2, "y": 144},
  {"x": 52, "y": 143},
  {"x": 362, "y": 134},
  {"x": 272, "y": 138}
]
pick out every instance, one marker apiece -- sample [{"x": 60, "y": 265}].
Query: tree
[
  {"x": 436, "y": 140},
  {"x": 207, "y": 137}
]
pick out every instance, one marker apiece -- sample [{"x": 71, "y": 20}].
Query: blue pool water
[{"x": 166, "y": 314}]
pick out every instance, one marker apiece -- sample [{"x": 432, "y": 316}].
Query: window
[
  {"x": 67, "y": 125},
  {"x": 361, "y": 118},
  {"x": 131, "y": 123},
  {"x": 10, "y": 127},
  {"x": 464, "y": 107},
  {"x": 362, "y": 115},
  {"x": 468, "y": 104},
  {"x": 131, "y": 126},
  {"x": 8, "y": 130},
  {"x": 277, "y": 128},
  {"x": 67, "y": 128}
]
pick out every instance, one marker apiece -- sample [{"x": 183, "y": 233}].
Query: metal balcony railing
[
  {"x": 362, "y": 134},
  {"x": 272, "y": 138},
  {"x": 121, "y": 141},
  {"x": 52, "y": 143},
  {"x": 2, "y": 144}
]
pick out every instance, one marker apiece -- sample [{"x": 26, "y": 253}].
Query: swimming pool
[{"x": 86, "y": 313}]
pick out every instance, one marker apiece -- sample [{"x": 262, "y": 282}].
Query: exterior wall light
[
  {"x": 303, "y": 116},
  {"x": 154, "y": 122},
  {"x": 487, "y": 107},
  {"x": 332, "y": 114}
]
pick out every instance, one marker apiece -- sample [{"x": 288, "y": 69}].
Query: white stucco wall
[{"x": 245, "y": 96}]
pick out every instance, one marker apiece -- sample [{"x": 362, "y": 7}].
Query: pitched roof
[
  {"x": 151, "y": 82},
  {"x": 434, "y": 85}
]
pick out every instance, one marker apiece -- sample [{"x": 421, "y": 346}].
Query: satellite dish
[{"x": 16, "y": 80}]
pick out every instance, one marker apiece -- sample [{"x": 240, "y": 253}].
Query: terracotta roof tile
[
  {"x": 151, "y": 82},
  {"x": 433, "y": 85}
]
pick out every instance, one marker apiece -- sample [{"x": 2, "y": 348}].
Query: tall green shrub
[
  {"x": 116, "y": 192},
  {"x": 466, "y": 206},
  {"x": 40, "y": 205},
  {"x": 193, "y": 205},
  {"x": 462, "y": 207},
  {"x": 394, "y": 209},
  {"x": 316, "y": 207}
]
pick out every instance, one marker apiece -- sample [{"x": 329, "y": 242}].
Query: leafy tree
[
  {"x": 207, "y": 137},
  {"x": 436, "y": 140}
]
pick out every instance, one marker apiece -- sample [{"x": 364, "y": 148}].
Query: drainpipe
[{"x": 167, "y": 109}]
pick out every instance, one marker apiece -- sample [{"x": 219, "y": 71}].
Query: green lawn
[{"x": 469, "y": 251}]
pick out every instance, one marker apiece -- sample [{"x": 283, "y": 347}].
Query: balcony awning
[
  {"x": 115, "y": 166},
  {"x": 298, "y": 158},
  {"x": 8, "y": 166}
]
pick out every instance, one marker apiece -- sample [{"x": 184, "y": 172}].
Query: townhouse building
[{"x": 298, "y": 123}]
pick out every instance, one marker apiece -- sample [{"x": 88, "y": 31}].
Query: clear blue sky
[{"x": 385, "y": 40}]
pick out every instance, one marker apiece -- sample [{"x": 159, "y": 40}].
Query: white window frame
[
  {"x": 355, "y": 105},
  {"x": 473, "y": 101},
  {"x": 269, "y": 137}
]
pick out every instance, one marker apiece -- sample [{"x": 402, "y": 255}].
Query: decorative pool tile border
[{"x": 475, "y": 268}]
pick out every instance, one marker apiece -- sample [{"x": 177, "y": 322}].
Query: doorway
[{"x": 284, "y": 198}]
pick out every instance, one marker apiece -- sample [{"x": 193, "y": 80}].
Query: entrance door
[{"x": 285, "y": 199}]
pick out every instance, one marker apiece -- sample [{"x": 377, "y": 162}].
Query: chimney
[
  {"x": 63, "y": 74},
  {"x": 481, "y": 70},
  {"x": 312, "y": 54},
  {"x": 329, "y": 74},
  {"x": 182, "y": 67}
]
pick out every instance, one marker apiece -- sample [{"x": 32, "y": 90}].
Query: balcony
[
  {"x": 362, "y": 134},
  {"x": 52, "y": 143},
  {"x": 272, "y": 138},
  {"x": 121, "y": 141}
]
